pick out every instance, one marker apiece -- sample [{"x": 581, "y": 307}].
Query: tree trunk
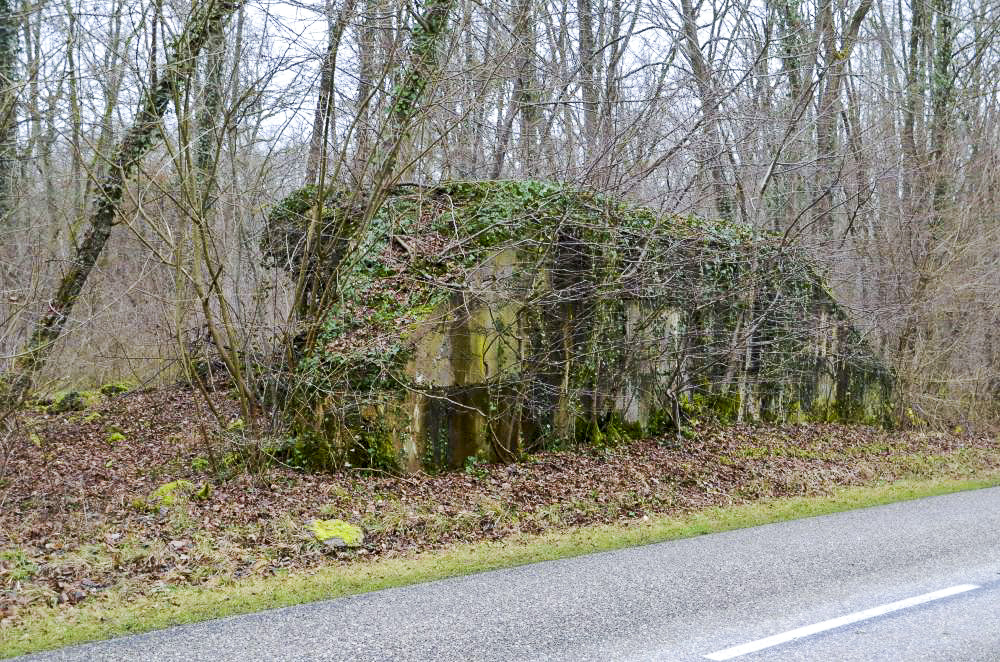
[
  {"x": 942, "y": 93},
  {"x": 913, "y": 104},
  {"x": 8, "y": 108},
  {"x": 209, "y": 113},
  {"x": 366, "y": 90},
  {"x": 432, "y": 28},
  {"x": 588, "y": 86},
  {"x": 320, "y": 138},
  {"x": 829, "y": 106},
  {"x": 712, "y": 152},
  {"x": 521, "y": 103},
  {"x": 525, "y": 92}
]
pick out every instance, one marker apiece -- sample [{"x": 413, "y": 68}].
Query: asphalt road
[{"x": 910, "y": 581}]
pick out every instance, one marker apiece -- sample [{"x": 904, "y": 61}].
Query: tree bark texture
[{"x": 8, "y": 107}]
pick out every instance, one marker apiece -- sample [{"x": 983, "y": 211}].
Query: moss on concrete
[{"x": 452, "y": 310}]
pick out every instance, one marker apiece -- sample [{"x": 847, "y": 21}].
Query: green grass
[{"x": 116, "y": 614}]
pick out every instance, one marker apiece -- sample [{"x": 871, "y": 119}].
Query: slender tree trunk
[
  {"x": 913, "y": 102},
  {"x": 829, "y": 106},
  {"x": 504, "y": 125},
  {"x": 206, "y": 20},
  {"x": 8, "y": 107},
  {"x": 588, "y": 86},
  {"x": 432, "y": 29},
  {"x": 521, "y": 103},
  {"x": 708, "y": 99},
  {"x": 914, "y": 179},
  {"x": 942, "y": 98},
  {"x": 209, "y": 114},
  {"x": 114, "y": 66},
  {"x": 525, "y": 87},
  {"x": 76, "y": 114},
  {"x": 320, "y": 137},
  {"x": 791, "y": 45},
  {"x": 234, "y": 87},
  {"x": 827, "y": 113},
  {"x": 366, "y": 89}
]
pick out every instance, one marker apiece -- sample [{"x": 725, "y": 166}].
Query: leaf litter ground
[{"x": 75, "y": 519}]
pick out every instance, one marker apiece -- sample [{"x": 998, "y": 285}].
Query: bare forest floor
[{"x": 76, "y": 521}]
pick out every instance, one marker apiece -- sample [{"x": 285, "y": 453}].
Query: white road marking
[{"x": 841, "y": 621}]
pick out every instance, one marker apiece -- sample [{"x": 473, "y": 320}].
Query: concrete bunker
[{"x": 487, "y": 319}]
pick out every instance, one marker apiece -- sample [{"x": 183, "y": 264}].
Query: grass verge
[{"x": 111, "y": 616}]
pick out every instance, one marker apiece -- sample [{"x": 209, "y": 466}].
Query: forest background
[{"x": 863, "y": 133}]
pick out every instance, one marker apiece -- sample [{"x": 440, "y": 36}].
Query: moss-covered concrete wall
[{"x": 489, "y": 318}]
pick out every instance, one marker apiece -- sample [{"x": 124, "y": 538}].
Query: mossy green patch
[
  {"x": 16, "y": 565},
  {"x": 114, "y": 388},
  {"x": 327, "y": 530},
  {"x": 67, "y": 401},
  {"x": 167, "y": 494},
  {"x": 718, "y": 407}
]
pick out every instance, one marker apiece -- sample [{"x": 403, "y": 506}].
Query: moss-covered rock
[
  {"x": 166, "y": 495},
  {"x": 337, "y": 533},
  {"x": 203, "y": 492},
  {"x": 114, "y": 388},
  {"x": 67, "y": 401}
]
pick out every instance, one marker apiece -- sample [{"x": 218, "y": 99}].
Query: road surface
[{"x": 911, "y": 581}]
